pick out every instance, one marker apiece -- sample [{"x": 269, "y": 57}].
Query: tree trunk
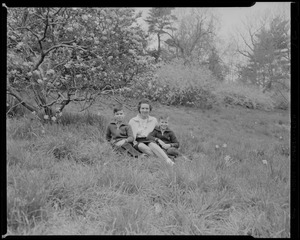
[{"x": 158, "y": 47}]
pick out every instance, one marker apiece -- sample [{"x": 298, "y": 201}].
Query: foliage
[
  {"x": 176, "y": 84},
  {"x": 194, "y": 37},
  {"x": 268, "y": 56},
  {"x": 62, "y": 55},
  {"x": 282, "y": 100},
  {"x": 181, "y": 76},
  {"x": 215, "y": 64},
  {"x": 160, "y": 20}
]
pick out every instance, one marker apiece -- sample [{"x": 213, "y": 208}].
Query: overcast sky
[{"x": 231, "y": 18}]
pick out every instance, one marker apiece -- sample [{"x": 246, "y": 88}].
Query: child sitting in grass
[
  {"x": 165, "y": 137},
  {"x": 120, "y": 135}
]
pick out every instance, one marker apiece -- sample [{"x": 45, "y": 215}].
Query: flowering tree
[{"x": 60, "y": 55}]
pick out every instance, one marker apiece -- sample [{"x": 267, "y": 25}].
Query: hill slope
[{"x": 64, "y": 179}]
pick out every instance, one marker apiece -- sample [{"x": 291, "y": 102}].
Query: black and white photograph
[{"x": 149, "y": 120}]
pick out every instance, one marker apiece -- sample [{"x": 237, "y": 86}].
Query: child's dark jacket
[
  {"x": 168, "y": 136},
  {"x": 114, "y": 134}
]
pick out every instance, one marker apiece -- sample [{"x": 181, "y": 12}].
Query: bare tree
[{"x": 194, "y": 36}]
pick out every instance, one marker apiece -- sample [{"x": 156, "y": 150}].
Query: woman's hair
[
  {"x": 118, "y": 108},
  {"x": 144, "y": 101}
]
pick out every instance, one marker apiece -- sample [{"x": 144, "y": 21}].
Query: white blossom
[{"x": 265, "y": 162}]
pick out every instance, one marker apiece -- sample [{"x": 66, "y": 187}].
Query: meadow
[{"x": 64, "y": 179}]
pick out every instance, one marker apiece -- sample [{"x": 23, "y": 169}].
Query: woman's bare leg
[
  {"x": 145, "y": 149},
  {"x": 159, "y": 152}
]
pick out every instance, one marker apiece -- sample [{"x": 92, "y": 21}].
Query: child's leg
[
  {"x": 131, "y": 150},
  {"x": 173, "y": 151},
  {"x": 158, "y": 151},
  {"x": 145, "y": 149}
]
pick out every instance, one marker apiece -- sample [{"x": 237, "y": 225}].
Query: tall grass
[{"x": 64, "y": 179}]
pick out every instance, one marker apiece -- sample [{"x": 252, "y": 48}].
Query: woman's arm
[{"x": 152, "y": 135}]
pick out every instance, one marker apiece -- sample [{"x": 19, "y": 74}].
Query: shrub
[
  {"x": 243, "y": 95},
  {"x": 181, "y": 76},
  {"x": 176, "y": 84},
  {"x": 281, "y": 100}
]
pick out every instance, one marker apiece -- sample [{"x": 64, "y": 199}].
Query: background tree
[
  {"x": 267, "y": 53},
  {"x": 160, "y": 20},
  {"x": 215, "y": 64},
  {"x": 194, "y": 36},
  {"x": 60, "y": 55}
]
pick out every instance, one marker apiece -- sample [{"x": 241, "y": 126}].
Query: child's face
[
  {"x": 119, "y": 116},
  {"x": 163, "y": 123}
]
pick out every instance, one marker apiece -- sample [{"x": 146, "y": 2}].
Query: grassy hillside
[{"x": 64, "y": 179}]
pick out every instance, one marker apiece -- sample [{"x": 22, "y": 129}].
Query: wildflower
[
  {"x": 40, "y": 81},
  {"x": 158, "y": 208},
  {"x": 60, "y": 114},
  {"x": 217, "y": 146},
  {"x": 53, "y": 119},
  {"x": 228, "y": 160},
  {"x": 46, "y": 117},
  {"x": 33, "y": 112},
  {"x": 43, "y": 131},
  {"x": 224, "y": 145},
  {"x": 265, "y": 161},
  {"x": 192, "y": 135}
]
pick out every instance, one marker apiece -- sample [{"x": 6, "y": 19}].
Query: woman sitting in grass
[{"x": 142, "y": 125}]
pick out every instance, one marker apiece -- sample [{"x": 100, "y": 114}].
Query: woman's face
[{"x": 145, "y": 109}]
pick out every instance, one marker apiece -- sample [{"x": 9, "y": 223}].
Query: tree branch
[
  {"x": 247, "y": 44},
  {"x": 246, "y": 55},
  {"x": 11, "y": 92},
  {"x": 46, "y": 27},
  {"x": 62, "y": 45}
]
